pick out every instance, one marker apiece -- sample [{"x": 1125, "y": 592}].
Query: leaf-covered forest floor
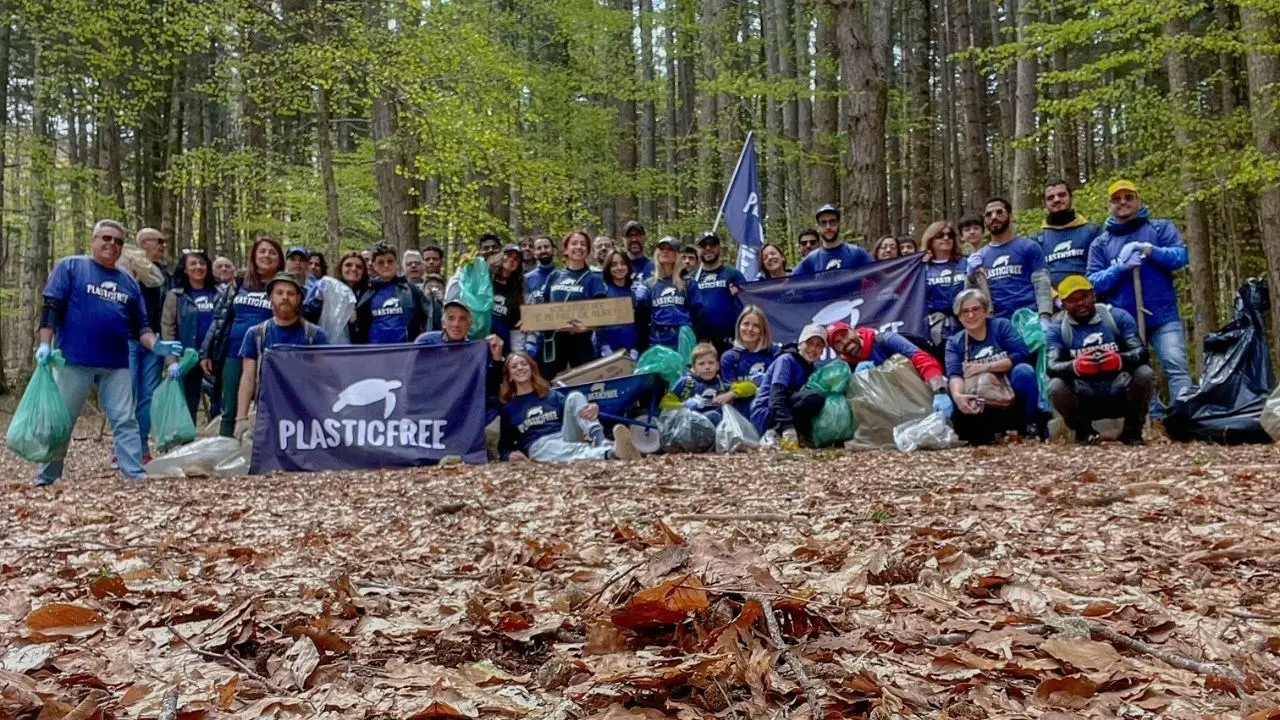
[{"x": 1044, "y": 581}]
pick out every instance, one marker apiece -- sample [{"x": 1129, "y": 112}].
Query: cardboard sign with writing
[{"x": 590, "y": 313}]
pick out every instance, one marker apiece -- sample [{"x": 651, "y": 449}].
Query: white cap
[{"x": 812, "y": 330}]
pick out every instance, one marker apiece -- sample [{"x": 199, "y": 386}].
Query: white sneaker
[{"x": 624, "y": 447}]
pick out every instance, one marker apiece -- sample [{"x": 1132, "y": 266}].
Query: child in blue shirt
[{"x": 703, "y": 388}]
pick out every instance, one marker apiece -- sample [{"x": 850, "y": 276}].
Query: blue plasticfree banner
[
  {"x": 888, "y": 295},
  {"x": 360, "y": 407}
]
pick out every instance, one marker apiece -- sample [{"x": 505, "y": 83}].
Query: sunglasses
[
  {"x": 1126, "y": 197},
  {"x": 118, "y": 240}
]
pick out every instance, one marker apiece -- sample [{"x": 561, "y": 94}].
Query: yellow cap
[
  {"x": 1119, "y": 185},
  {"x": 1073, "y": 284}
]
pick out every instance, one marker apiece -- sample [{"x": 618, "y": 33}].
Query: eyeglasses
[
  {"x": 1126, "y": 197},
  {"x": 973, "y": 310},
  {"x": 992, "y": 213}
]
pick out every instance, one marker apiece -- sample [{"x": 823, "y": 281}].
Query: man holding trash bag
[
  {"x": 865, "y": 348},
  {"x": 95, "y": 309},
  {"x": 1098, "y": 364}
]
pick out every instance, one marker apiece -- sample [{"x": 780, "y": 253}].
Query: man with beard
[
  {"x": 286, "y": 327},
  {"x": 544, "y": 253},
  {"x": 718, "y": 305},
  {"x": 1013, "y": 267},
  {"x": 600, "y": 249},
  {"x": 1066, "y": 235},
  {"x": 641, "y": 266},
  {"x": 526, "y": 254},
  {"x": 1098, "y": 365},
  {"x": 834, "y": 253}
]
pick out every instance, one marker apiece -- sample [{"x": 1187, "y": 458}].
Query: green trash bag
[
  {"x": 1027, "y": 322},
  {"x": 662, "y": 361},
  {"x": 170, "y": 418},
  {"x": 834, "y": 424},
  {"x": 476, "y": 289},
  {"x": 41, "y": 427},
  {"x": 685, "y": 345}
]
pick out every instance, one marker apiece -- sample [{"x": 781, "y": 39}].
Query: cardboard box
[
  {"x": 590, "y": 313},
  {"x": 619, "y": 364}
]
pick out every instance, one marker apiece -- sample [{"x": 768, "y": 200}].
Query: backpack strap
[{"x": 1104, "y": 314}]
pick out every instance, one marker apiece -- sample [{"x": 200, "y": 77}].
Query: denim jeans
[
  {"x": 1170, "y": 344},
  {"x": 115, "y": 392},
  {"x": 982, "y": 428},
  {"x": 144, "y": 374}
]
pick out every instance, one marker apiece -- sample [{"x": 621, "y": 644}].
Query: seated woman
[
  {"x": 783, "y": 404},
  {"x": 542, "y": 424},
  {"x": 743, "y": 365},
  {"x": 989, "y": 345}
]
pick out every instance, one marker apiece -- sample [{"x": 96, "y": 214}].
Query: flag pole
[{"x": 720, "y": 213}]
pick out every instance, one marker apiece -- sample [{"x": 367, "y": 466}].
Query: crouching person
[
  {"x": 782, "y": 403},
  {"x": 992, "y": 384},
  {"x": 864, "y": 348},
  {"x": 542, "y": 424},
  {"x": 1098, "y": 365}
]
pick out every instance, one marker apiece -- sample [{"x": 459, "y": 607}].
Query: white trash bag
[
  {"x": 735, "y": 432},
  {"x": 930, "y": 432},
  {"x": 339, "y": 303}
]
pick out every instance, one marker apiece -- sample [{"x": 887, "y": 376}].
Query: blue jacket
[
  {"x": 613, "y": 338},
  {"x": 1114, "y": 284},
  {"x": 786, "y": 374},
  {"x": 1066, "y": 247},
  {"x": 670, "y": 309},
  {"x": 535, "y": 280},
  {"x": 845, "y": 256},
  {"x": 716, "y": 315}
]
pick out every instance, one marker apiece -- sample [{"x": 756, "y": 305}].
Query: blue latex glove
[
  {"x": 605, "y": 351},
  {"x": 864, "y": 367},
  {"x": 167, "y": 348},
  {"x": 693, "y": 403},
  {"x": 174, "y": 371},
  {"x": 635, "y": 354},
  {"x": 942, "y": 403},
  {"x": 974, "y": 263},
  {"x": 42, "y": 353}
]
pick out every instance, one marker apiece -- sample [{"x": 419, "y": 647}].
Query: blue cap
[{"x": 297, "y": 250}]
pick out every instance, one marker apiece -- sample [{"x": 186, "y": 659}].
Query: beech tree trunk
[
  {"x": 1024, "y": 188},
  {"x": 921, "y": 117},
  {"x": 324, "y": 152},
  {"x": 863, "y": 40},
  {"x": 1264, "y": 73},
  {"x": 826, "y": 62}
]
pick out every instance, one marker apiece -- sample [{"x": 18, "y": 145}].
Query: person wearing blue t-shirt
[
  {"x": 718, "y": 303},
  {"x": 1098, "y": 363},
  {"x": 570, "y": 346},
  {"x": 672, "y": 298},
  {"x": 753, "y": 351},
  {"x": 239, "y": 306},
  {"x": 1066, "y": 235},
  {"x": 1013, "y": 267},
  {"x": 944, "y": 273},
  {"x": 704, "y": 388},
  {"x": 985, "y": 349},
  {"x": 834, "y": 253},
  {"x": 544, "y": 425},
  {"x": 93, "y": 310},
  {"x": 544, "y": 254},
  {"x": 392, "y": 310},
  {"x": 618, "y": 284},
  {"x": 187, "y": 316},
  {"x": 633, "y": 235},
  {"x": 285, "y": 327}
]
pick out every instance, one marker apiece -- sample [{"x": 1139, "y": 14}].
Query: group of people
[{"x": 1103, "y": 295}]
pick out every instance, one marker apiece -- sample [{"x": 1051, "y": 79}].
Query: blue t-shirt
[
  {"x": 1092, "y": 336},
  {"x": 528, "y": 418},
  {"x": 388, "y": 324},
  {"x": 1066, "y": 250},
  {"x": 202, "y": 298},
  {"x": 250, "y": 307},
  {"x": 295, "y": 334},
  {"x": 670, "y": 309},
  {"x": 844, "y": 256},
  {"x": 945, "y": 280},
  {"x": 612, "y": 338},
  {"x": 104, "y": 312},
  {"x": 718, "y": 308},
  {"x": 535, "y": 280},
  {"x": 1002, "y": 341},
  {"x": 1009, "y": 268},
  {"x": 641, "y": 269},
  {"x": 739, "y": 363},
  {"x": 565, "y": 285}
]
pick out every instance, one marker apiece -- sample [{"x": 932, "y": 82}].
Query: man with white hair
[{"x": 94, "y": 311}]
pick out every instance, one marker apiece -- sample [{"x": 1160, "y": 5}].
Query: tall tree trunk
[
  {"x": 686, "y": 44},
  {"x": 624, "y": 202},
  {"x": 6, "y": 36},
  {"x": 40, "y": 221},
  {"x": 800, "y": 27},
  {"x": 1066, "y": 154},
  {"x": 826, "y": 63},
  {"x": 973, "y": 101},
  {"x": 921, "y": 117},
  {"x": 1204, "y": 287},
  {"x": 78, "y": 155},
  {"x": 863, "y": 40},
  {"x": 1260, "y": 36},
  {"x": 1024, "y": 156},
  {"x": 774, "y": 189},
  {"x": 790, "y": 107},
  {"x": 168, "y": 190},
  {"x": 111, "y": 161},
  {"x": 393, "y": 191},
  {"x": 648, "y": 115},
  {"x": 952, "y": 176},
  {"x": 898, "y": 141},
  {"x": 673, "y": 138},
  {"x": 1007, "y": 82},
  {"x": 708, "y": 157},
  {"x": 324, "y": 151}
]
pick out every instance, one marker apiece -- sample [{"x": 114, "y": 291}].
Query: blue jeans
[
  {"x": 115, "y": 392},
  {"x": 1170, "y": 344},
  {"x": 144, "y": 375}
]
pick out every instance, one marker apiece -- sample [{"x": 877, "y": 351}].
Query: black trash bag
[
  {"x": 686, "y": 431},
  {"x": 1237, "y": 379}
]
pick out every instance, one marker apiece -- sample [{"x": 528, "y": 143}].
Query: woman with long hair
[
  {"x": 672, "y": 297},
  {"x": 542, "y": 424},
  {"x": 753, "y": 349},
  {"x": 506, "y": 270},
  {"x": 618, "y": 273},
  {"x": 317, "y": 266},
  {"x": 773, "y": 264},
  {"x": 187, "y": 315},
  {"x": 945, "y": 276},
  {"x": 571, "y": 345},
  {"x": 886, "y": 248},
  {"x": 240, "y": 305}
]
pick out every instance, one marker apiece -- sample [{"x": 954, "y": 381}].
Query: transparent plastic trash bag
[
  {"x": 884, "y": 398},
  {"x": 928, "y": 433},
  {"x": 735, "y": 432},
  {"x": 196, "y": 458},
  {"x": 338, "y": 304}
]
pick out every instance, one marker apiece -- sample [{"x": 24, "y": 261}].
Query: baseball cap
[
  {"x": 1073, "y": 284},
  {"x": 812, "y": 330},
  {"x": 297, "y": 250},
  {"x": 284, "y": 277},
  {"x": 1120, "y": 185},
  {"x": 668, "y": 241},
  {"x": 828, "y": 208},
  {"x": 512, "y": 248},
  {"x": 632, "y": 226},
  {"x": 708, "y": 237}
]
